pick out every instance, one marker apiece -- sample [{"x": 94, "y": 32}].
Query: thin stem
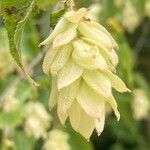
[{"x": 71, "y": 4}]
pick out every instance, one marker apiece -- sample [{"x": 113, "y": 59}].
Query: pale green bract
[{"x": 81, "y": 60}]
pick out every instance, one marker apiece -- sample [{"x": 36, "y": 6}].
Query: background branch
[
  {"x": 140, "y": 42},
  {"x": 29, "y": 70}
]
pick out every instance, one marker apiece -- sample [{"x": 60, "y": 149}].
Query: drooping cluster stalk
[{"x": 71, "y": 4}]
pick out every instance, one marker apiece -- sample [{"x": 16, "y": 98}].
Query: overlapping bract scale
[{"x": 81, "y": 61}]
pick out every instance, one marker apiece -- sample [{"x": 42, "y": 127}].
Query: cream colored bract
[{"x": 81, "y": 60}]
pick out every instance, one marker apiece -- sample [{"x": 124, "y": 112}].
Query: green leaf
[
  {"x": 76, "y": 141},
  {"x": 45, "y": 4},
  {"x": 15, "y": 15},
  {"x": 11, "y": 119},
  {"x": 22, "y": 142}
]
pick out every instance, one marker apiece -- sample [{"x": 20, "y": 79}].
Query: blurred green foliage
[{"x": 134, "y": 56}]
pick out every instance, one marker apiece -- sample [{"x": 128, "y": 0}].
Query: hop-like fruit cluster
[
  {"x": 37, "y": 120},
  {"x": 147, "y": 8},
  {"x": 130, "y": 18},
  {"x": 81, "y": 60},
  {"x": 57, "y": 140},
  {"x": 140, "y": 99}
]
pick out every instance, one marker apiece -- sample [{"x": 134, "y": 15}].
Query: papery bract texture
[{"x": 81, "y": 61}]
